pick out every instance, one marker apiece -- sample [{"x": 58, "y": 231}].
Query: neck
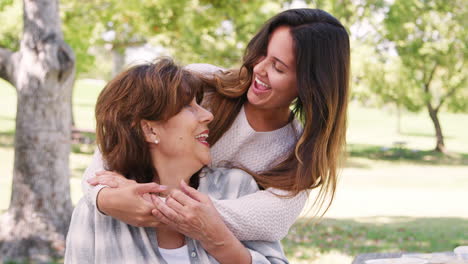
[
  {"x": 264, "y": 120},
  {"x": 171, "y": 170},
  {"x": 168, "y": 238}
]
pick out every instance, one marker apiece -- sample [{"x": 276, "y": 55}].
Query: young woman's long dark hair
[{"x": 322, "y": 53}]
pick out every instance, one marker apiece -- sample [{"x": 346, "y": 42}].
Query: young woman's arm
[
  {"x": 261, "y": 215},
  {"x": 125, "y": 203},
  {"x": 258, "y": 216},
  {"x": 90, "y": 192}
]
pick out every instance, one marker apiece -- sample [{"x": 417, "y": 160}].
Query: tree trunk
[
  {"x": 35, "y": 225},
  {"x": 398, "y": 118},
  {"x": 433, "y": 113},
  {"x": 118, "y": 60}
]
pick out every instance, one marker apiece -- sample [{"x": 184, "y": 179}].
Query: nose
[
  {"x": 259, "y": 68},
  {"x": 205, "y": 115}
]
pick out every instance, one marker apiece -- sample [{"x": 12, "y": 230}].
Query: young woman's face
[
  {"x": 184, "y": 135},
  {"x": 274, "y": 80}
]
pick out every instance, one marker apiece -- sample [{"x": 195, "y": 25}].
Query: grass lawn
[
  {"x": 391, "y": 197},
  {"x": 337, "y": 240}
]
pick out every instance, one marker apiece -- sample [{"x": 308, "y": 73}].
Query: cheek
[{"x": 287, "y": 87}]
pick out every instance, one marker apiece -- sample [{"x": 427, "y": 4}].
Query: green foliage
[
  {"x": 5, "y": 3},
  {"x": 12, "y": 24},
  {"x": 212, "y": 31},
  {"x": 190, "y": 30},
  {"x": 350, "y": 12},
  {"x": 432, "y": 50},
  {"x": 77, "y": 31}
]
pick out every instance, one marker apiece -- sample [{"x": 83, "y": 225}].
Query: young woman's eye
[{"x": 275, "y": 66}]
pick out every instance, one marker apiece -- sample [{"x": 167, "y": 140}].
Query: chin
[
  {"x": 252, "y": 98},
  {"x": 207, "y": 162}
]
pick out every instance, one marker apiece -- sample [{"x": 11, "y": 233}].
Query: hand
[
  {"x": 193, "y": 214},
  {"x": 110, "y": 178},
  {"x": 131, "y": 203}
]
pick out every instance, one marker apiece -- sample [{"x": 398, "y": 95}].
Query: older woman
[{"x": 151, "y": 129}]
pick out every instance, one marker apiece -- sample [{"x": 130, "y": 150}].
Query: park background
[{"x": 404, "y": 184}]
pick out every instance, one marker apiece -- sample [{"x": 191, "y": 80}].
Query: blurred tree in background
[
  {"x": 420, "y": 59},
  {"x": 12, "y": 24},
  {"x": 192, "y": 31},
  {"x": 431, "y": 41},
  {"x": 41, "y": 67}
]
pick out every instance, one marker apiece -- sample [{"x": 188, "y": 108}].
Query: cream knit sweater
[
  {"x": 258, "y": 216},
  {"x": 261, "y": 215}
]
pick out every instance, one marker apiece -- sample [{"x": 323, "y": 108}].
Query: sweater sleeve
[
  {"x": 90, "y": 192},
  {"x": 233, "y": 184},
  {"x": 81, "y": 236},
  {"x": 203, "y": 68},
  {"x": 261, "y": 215}
]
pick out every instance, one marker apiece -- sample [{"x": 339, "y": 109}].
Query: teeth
[
  {"x": 262, "y": 83},
  {"x": 202, "y": 136}
]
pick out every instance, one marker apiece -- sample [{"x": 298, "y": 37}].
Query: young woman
[
  {"x": 295, "y": 70},
  {"x": 150, "y": 128}
]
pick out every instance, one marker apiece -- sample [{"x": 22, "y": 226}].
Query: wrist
[
  {"x": 227, "y": 249},
  {"x": 215, "y": 238},
  {"x": 102, "y": 199}
]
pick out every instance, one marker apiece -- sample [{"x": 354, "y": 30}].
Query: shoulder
[
  {"x": 226, "y": 183},
  {"x": 203, "y": 68}
]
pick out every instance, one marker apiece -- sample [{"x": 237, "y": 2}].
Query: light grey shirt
[{"x": 96, "y": 238}]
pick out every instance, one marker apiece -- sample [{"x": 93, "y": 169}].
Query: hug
[{"x": 207, "y": 165}]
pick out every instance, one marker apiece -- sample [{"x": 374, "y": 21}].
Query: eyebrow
[{"x": 280, "y": 61}]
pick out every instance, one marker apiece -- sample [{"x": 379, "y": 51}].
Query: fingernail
[
  {"x": 90, "y": 180},
  {"x": 162, "y": 187}
]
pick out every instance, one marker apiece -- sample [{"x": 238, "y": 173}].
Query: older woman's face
[
  {"x": 274, "y": 84},
  {"x": 183, "y": 136}
]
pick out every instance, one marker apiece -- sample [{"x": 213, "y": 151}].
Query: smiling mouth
[
  {"x": 262, "y": 83},
  {"x": 260, "y": 87},
  {"x": 202, "y": 138}
]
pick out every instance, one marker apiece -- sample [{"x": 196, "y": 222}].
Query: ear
[{"x": 150, "y": 131}]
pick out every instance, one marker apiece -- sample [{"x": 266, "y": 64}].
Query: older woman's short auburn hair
[{"x": 153, "y": 91}]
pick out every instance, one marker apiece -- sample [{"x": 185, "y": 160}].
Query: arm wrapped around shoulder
[
  {"x": 81, "y": 233},
  {"x": 261, "y": 215},
  {"x": 90, "y": 192}
]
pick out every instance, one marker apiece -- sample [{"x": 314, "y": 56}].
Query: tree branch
[
  {"x": 431, "y": 75},
  {"x": 454, "y": 89},
  {"x": 428, "y": 82},
  {"x": 7, "y": 65},
  {"x": 447, "y": 95}
]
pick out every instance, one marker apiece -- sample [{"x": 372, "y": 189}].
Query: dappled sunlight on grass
[
  {"x": 7, "y": 139},
  {"x": 350, "y": 237},
  {"x": 402, "y": 154}
]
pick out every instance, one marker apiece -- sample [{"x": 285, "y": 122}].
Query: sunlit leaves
[
  {"x": 430, "y": 39},
  {"x": 12, "y": 24}
]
